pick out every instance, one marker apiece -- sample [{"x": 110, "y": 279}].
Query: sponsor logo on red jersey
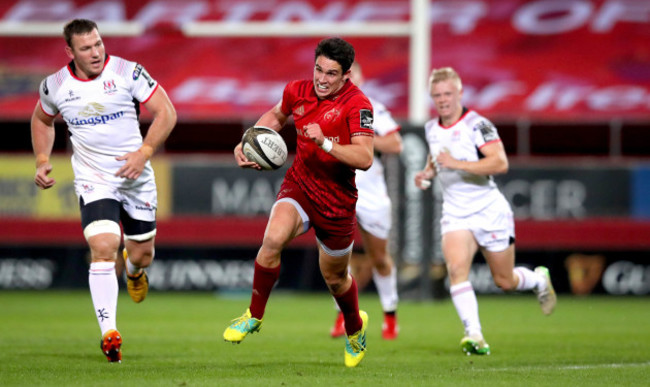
[
  {"x": 332, "y": 115},
  {"x": 365, "y": 118}
]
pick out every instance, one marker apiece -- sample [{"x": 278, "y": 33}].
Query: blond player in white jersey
[
  {"x": 465, "y": 151},
  {"x": 98, "y": 97},
  {"x": 374, "y": 217}
]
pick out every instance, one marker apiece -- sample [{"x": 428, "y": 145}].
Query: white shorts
[
  {"x": 374, "y": 215},
  {"x": 138, "y": 200},
  {"x": 493, "y": 227}
]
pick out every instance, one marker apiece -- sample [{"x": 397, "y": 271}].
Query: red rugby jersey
[{"x": 326, "y": 181}]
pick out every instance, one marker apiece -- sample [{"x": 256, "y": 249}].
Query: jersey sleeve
[
  {"x": 288, "y": 97},
  {"x": 484, "y": 132},
  {"x": 143, "y": 85},
  {"x": 47, "y": 98},
  {"x": 360, "y": 117}
]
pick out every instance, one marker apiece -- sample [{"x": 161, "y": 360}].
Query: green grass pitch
[{"x": 174, "y": 339}]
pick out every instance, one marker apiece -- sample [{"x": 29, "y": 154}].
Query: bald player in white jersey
[
  {"x": 465, "y": 151},
  {"x": 98, "y": 97},
  {"x": 374, "y": 218}
]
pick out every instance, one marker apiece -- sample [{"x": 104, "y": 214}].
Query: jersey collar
[
  {"x": 462, "y": 115},
  {"x": 72, "y": 68},
  {"x": 334, "y": 96}
]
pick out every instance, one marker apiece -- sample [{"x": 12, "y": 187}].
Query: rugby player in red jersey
[{"x": 333, "y": 120}]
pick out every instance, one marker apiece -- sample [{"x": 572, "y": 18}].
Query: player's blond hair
[{"x": 445, "y": 74}]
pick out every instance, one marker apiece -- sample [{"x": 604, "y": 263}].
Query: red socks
[
  {"x": 263, "y": 280},
  {"x": 349, "y": 304}
]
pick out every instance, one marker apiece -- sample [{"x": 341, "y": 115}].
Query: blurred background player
[
  {"x": 465, "y": 150},
  {"x": 333, "y": 120},
  {"x": 374, "y": 218},
  {"x": 98, "y": 96}
]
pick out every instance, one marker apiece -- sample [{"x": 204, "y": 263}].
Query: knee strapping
[
  {"x": 141, "y": 237},
  {"x": 101, "y": 227}
]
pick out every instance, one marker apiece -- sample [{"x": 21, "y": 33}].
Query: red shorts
[{"x": 335, "y": 234}]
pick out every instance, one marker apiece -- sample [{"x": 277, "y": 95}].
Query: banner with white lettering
[
  {"x": 567, "y": 192},
  {"x": 175, "y": 268},
  {"x": 586, "y": 272},
  {"x": 223, "y": 189},
  {"x": 544, "y": 60},
  {"x": 231, "y": 270}
]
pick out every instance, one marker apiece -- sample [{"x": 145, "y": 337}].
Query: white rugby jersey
[
  {"x": 371, "y": 184},
  {"x": 463, "y": 193},
  {"x": 101, "y": 114}
]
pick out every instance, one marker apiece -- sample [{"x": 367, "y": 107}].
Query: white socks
[
  {"x": 464, "y": 299},
  {"x": 103, "y": 290},
  {"x": 387, "y": 289},
  {"x": 529, "y": 280}
]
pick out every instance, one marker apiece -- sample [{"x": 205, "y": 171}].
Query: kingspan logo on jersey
[
  {"x": 147, "y": 207},
  {"x": 94, "y": 115}
]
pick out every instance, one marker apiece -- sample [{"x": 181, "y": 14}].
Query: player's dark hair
[
  {"x": 78, "y": 27},
  {"x": 338, "y": 50}
]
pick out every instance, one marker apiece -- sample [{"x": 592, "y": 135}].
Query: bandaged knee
[{"x": 103, "y": 226}]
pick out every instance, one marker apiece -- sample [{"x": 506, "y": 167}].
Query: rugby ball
[{"x": 264, "y": 146}]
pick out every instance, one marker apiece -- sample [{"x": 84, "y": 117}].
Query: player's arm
[
  {"x": 164, "y": 120},
  {"x": 495, "y": 161},
  {"x": 274, "y": 119},
  {"x": 358, "y": 154},
  {"x": 42, "y": 128},
  {"x": 423, "y": 178},
  {"x": 390, "y": 143}
]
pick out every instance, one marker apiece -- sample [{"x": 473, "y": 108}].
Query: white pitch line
[{"x": 570, "y": 367}]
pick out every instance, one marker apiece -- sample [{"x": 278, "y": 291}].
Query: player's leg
[
  {"x": 138, "y": 254},
  {"x": 287, "y": 220},
  {"x": 508, "y": 277},
  {"x": 385, "y": 278},
  {"x": 521, "y": 278},
  {"x": 338, "y": 329},
  {"x": 502, "y": 265},
  {"x": 343, "y": 287},
  {"x": 458, "y": 248},
  {"x": 139, "y": 246},
  {"x": 374, "y": 217},
  {"x": 361, "y": 268},
  {"x": 498, "y": 248},
  {"x": 334, "y": 268},
  {"x": 138, "y": 218},
  {"x": 285, "y": 223},
  {"x": 335, "y": 239},
  {"x": 102, "y": 232}
]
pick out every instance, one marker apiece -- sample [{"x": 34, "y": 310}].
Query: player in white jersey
[
  {"x": 98, "y": 97},
  {"x": 374, "y": 217},
  {"x": 465, "y": 151}
]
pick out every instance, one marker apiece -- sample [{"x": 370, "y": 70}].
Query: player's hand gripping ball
[{"x": 264, "y": 146}]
